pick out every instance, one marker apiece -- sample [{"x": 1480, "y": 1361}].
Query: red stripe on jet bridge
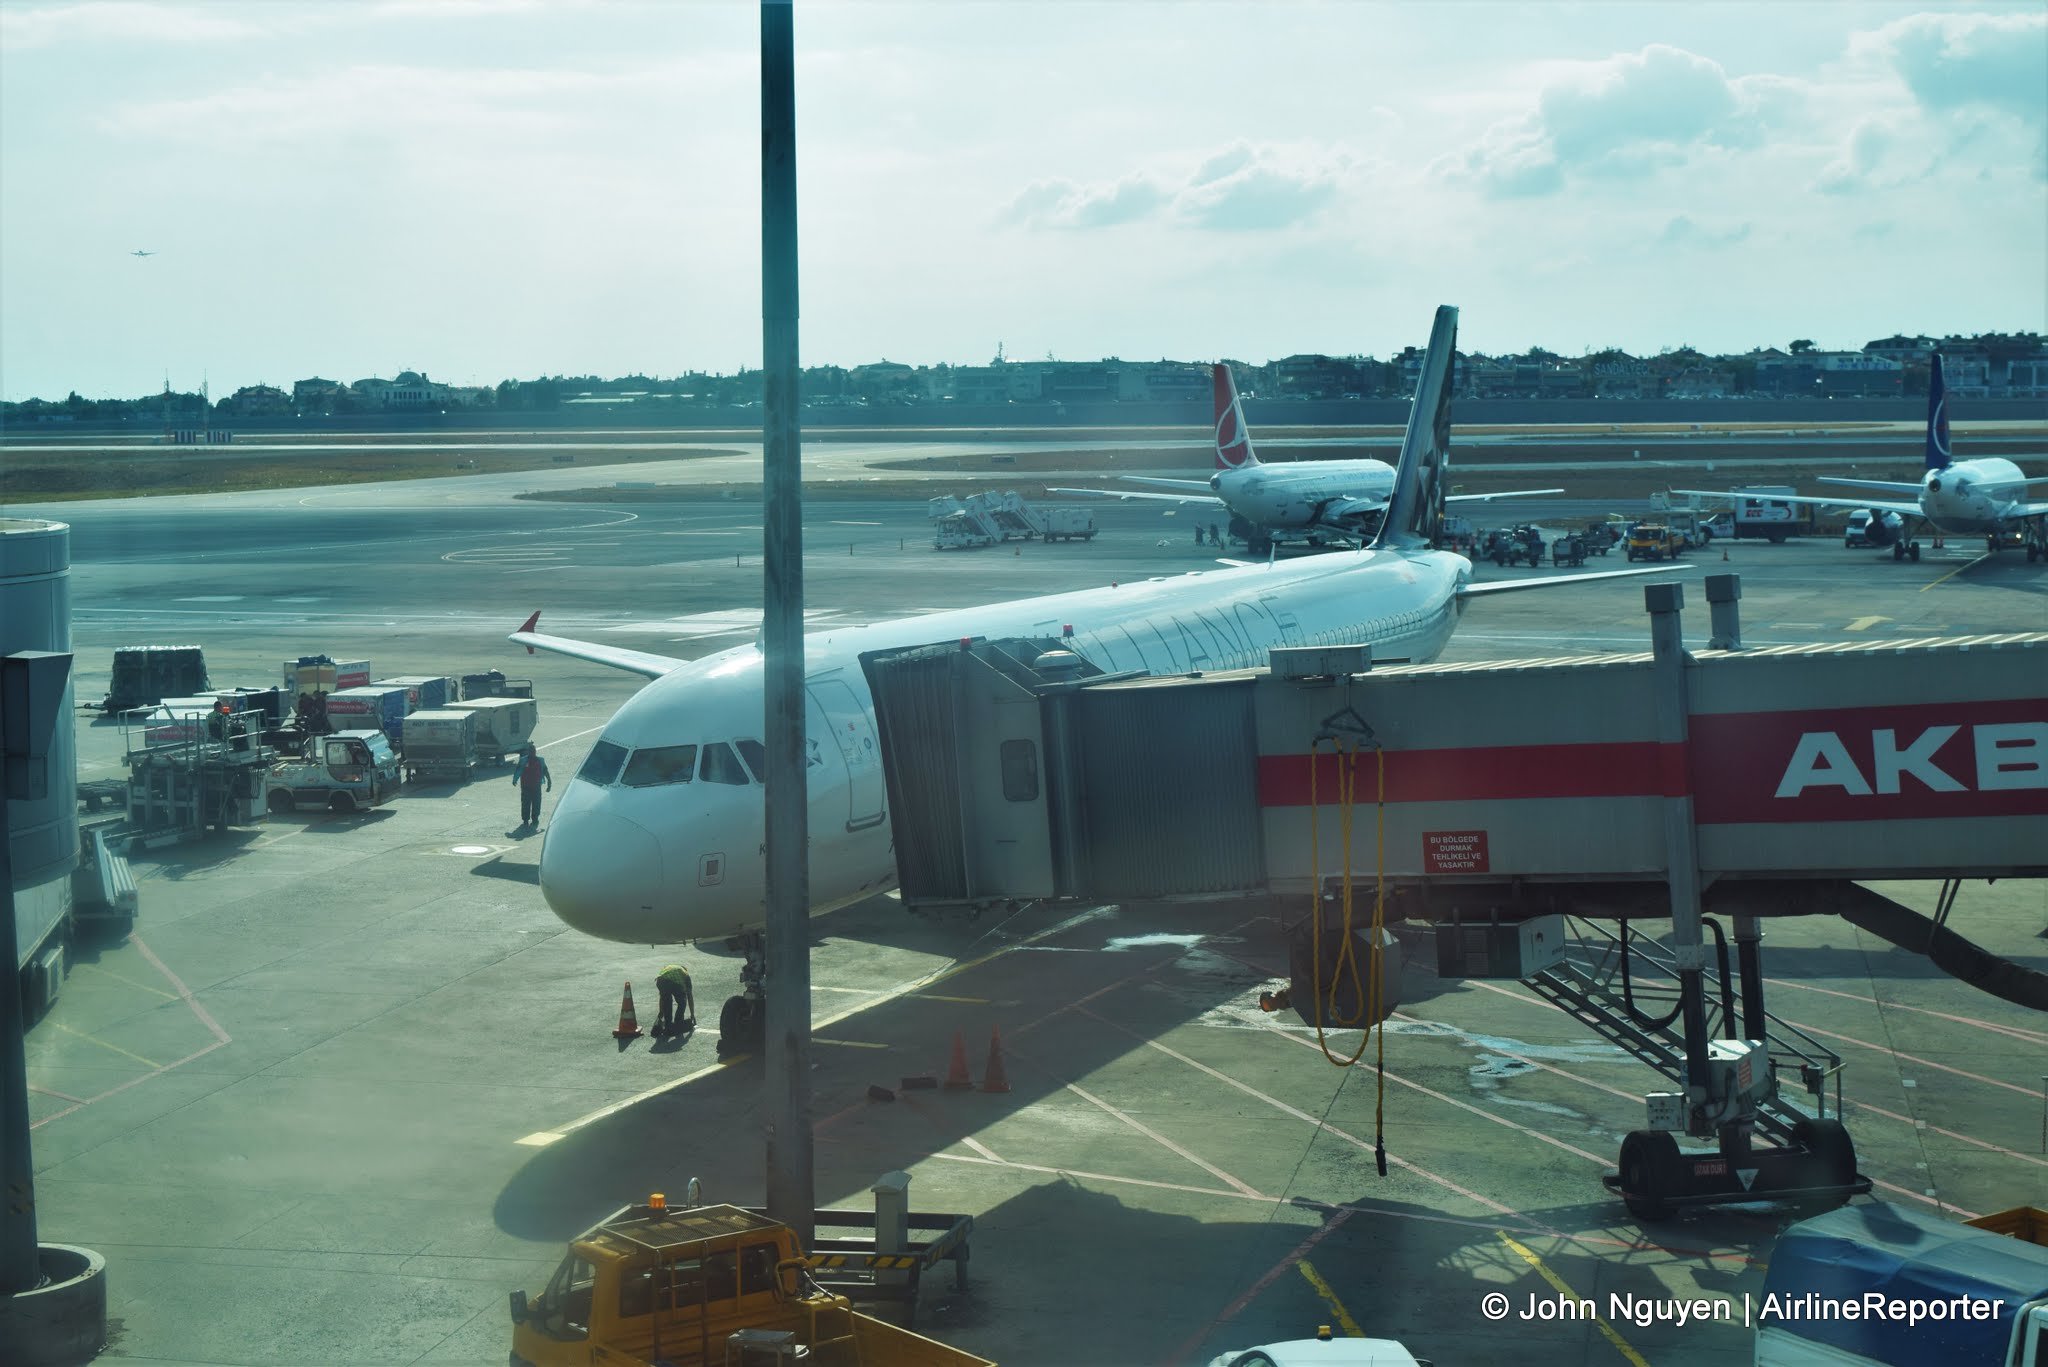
[{"x": 1484, "y": 773}]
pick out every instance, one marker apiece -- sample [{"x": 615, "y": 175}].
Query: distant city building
[
  {"x": 257, "y": 400},
  {"x": 1900, "y": 348},
  {"x": 411, "y": 390}
]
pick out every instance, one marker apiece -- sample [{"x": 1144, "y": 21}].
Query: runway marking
[
  {"x": 130, "y": 982},
  {"x": 219, "y": 1035},
  {"x": 212, "y": 598},
  {"x": 1607, "y": 1330},
  {"x": 1924, "y": 1063},
  {"x": 1865, "y": 623},
  {"x": 1252, "y": 1292},
  {"x": 850, "y": 1043},
  {"x": 864, "y": 991},
  {"x": 884, "y": 995},
  {"x": 1051, "y": 1171},
  {"x": 115, "y": 1048},
  {"x": 840, "y": 522},
  {"x": 984, "y": 1150},
  {"x": 963, "y": 1001},
  {"x": 1204, "y": 1164},
  {"x": 1956, "y": 571},
  {"x": 572, "y": 735},
  {"x": 539, "y": 1139},
  {"x": 61, "y": 1096},
  {"x": 2016, "y": 1031},
  {"x": 131, "y": 1082},
  {"x": 706, "y": 533},
  {"x": 1322, "y": 1288}
]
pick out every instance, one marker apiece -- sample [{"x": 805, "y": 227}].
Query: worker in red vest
[{"x": 530, "y": 773}]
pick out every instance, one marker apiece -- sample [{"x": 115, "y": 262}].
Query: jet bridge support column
[{"x": 1667, "y": 646}]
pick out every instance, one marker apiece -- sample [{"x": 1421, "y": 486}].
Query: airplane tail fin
[
  {"x": 1937, "y": 417},
  {"x": 1233, "y": 439},
  {"x": 1415, "y": 505}
]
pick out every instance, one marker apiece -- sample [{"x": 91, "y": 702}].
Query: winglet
[
  {"x": 531, "y": 623},
  {"x": 1233, "y": 441}
]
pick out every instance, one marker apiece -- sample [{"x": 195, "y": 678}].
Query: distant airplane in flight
[{"x": 140, "y": 252}]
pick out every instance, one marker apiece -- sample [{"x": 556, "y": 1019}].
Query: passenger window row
[{"x": 736, "y": 765}]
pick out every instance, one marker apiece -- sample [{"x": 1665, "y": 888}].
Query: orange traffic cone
[
  {"x": 957, "y": 1079},
  {"x": 995, "y": 1080},
  {"x": 629, "y": 1024}
]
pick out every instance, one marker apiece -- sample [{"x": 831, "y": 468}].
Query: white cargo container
[
  {"x": 313, "y": 675},
  {"x": 441, "y": 743},
  {"x": 502, "y": 724}
]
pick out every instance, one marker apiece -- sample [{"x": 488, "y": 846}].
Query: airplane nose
[{"x": 602, "y": 874}]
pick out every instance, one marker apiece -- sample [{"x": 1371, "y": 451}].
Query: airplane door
[{"x": 853, "y": 733}]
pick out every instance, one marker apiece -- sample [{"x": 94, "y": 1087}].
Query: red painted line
[
  {"x": 61, "y": 1096},
  {"x": 1952, "y": 1134},
  {"x": 1911, "y": 1058},
  {"x": 2016, "y": 1031},
  {"x": 204, "y": 1019},
  {"x": 131, "y": 1082}
]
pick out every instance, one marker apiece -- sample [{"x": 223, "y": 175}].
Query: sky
[{"x": 484, "y": 189}]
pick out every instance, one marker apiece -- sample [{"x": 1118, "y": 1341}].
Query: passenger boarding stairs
[
  {"x": 979, "y": 520},
  {"x": 1603, "y": 973}
]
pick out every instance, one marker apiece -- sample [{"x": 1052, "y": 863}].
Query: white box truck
[{"x": 502, "y": 725}]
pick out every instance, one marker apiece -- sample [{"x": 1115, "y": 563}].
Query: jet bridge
[{"x": 1508, "y": 803}]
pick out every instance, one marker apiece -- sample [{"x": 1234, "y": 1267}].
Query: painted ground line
[
  {"x": 1607, "y": 1330},
  {"x": 1322, "y": 1288}
]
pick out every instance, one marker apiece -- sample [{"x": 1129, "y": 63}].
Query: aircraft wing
[
  {"x": 1902, "y": 509},
  {"x": 1128, "y": 494},
  {"x": 1506, "y": 493},
  {"x": 634, "y": 661},
  {"x": 1890, "y": 486},
  {"x": 1162, "y": 482},
  {"x": 1512, "y": 585}
]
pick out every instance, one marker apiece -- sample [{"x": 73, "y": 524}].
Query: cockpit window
[
  {"x": 756, "y": 756},
  {"x": 664, "y": 764},
  {"x": 603, "y": 765},
  {"x": 721, "y": 765}
]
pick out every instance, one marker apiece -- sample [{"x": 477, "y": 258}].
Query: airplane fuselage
[
  {"x": 1298, "y": 494},
  {"x": 659, "y": 837}
]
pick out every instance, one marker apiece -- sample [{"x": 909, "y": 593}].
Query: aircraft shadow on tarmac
[
  {"x": 495, "y": 867},
  {"x": 1403, "y": 1270}
]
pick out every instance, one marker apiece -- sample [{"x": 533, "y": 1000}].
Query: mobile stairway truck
[{"x": 703, "y": 1286}]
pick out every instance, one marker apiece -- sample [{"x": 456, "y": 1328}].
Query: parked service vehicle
[
  {"x": 502, "y": 725},
  {"x": 440, "y": 743},
  {"x": 348, "y": 771},
  {"x": 1757, "y": 514},
  {"x": 1324, "y": 1350},
  {"x": 1066, "y": 524},
  {"x": 1654, "y": 541}
]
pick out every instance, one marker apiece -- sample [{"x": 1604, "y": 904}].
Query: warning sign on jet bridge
[{"x": 1454, "y": 852}]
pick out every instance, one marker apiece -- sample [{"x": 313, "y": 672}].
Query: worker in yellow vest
[{"x": 678, "y": 1003}]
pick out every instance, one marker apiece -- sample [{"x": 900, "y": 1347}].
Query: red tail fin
[
  {"x": 531, "y": 623},
  {"x": 1233, "y": 442}
]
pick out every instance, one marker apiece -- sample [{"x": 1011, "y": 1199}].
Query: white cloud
[
  {"x": 1864, "y": 155},
  {"x": 1683, "y": 231},
  {"x": 117, "y": 20},
  {"x": 1242, "y": 187},
  {"x": 1958, "y": 61}
]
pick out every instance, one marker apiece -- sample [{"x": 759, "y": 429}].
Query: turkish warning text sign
[{"x": 1454, "y": 852}]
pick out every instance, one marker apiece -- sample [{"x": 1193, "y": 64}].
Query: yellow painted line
[
  {"x": 963, "y": 1001},
  {"x": 849, "y": 1043},
  {"x": 94, "y": 1039},
  {"x": 129, "y": 982},
  {"x": 1956, "y": 571},
  {"x": 931, "y": 979},
  {"x": 539, "y": 1139},
  {"x": 1865, "y": 623},
  {"x": 860, "y": 991},
  {"x": 1557, "y": 1284},
  {"x": 1315, "y": 1279}
]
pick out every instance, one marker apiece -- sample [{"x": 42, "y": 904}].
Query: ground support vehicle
[
  {"x": 323, "y": 674},
  {"x": 1518, "y": 545},
  {"x": 383, "y": 706},
  {"x": 1065, "y": 524},
  {"x": 1980, "y": 1289},
  {"x": 1568, "y": 550},
  {"x": 503, "y": 725},
  {"x": 424, "y": 691},
  {"x": 1600, "y": 537},
  {"x": 491, "y": 684},
  {"x": 703, "y": 1286},
  {"x": 191, "y": 766},
  {"x": 1654, "y": 541},
  {"x": 348, "y": 771},
  {"x": 440, "y": 744}
]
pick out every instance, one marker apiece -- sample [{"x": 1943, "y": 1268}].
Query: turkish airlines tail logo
[
  {"x": 1937, "y": 417},
  {"x": 1233, "y": 442}
]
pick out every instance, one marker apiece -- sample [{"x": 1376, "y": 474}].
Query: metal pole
[
  {"x": 21, "y": 1264},
  {"x": 1668, "y": 661},
  {"x": 1724, "y": 597},
  {"x": 1749, "y": 939},
  {"x": 791, "y": 1182}
]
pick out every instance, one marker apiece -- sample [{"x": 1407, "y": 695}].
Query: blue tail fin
[
  {"x": 1415, "y": 505},
  {"x": 1937, "y": 418}
]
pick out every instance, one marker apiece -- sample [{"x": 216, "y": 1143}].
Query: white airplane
[
  {"x": 659, "y": 837},
  {"x": 1344, "y": 496},
  {"x": 1985, "y": 497},
  {"x": 139, "y": 252}
]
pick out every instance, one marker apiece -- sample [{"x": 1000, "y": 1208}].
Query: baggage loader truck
[{"x": 348, "y": 771}]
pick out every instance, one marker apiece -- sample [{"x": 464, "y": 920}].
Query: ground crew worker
[
  {"x": 530, "y": 773},
  {"x": 678, "y": 1002}
]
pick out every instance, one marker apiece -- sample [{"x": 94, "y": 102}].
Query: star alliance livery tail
[
  {"x": 1415, "y": 506},
  {"x": 1233, "y": 442},
  {"x": 1937, "y": 417}
]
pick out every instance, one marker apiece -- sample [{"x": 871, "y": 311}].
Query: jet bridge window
[
  {"x": 664, "y": 764},
  {"x": 602, "y": 767},
  {"x": 1020, "y": 771},
  {"x": 721, "y": 765}
]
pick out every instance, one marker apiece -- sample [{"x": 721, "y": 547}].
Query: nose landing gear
[{"x": 743, "y": 1020}]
